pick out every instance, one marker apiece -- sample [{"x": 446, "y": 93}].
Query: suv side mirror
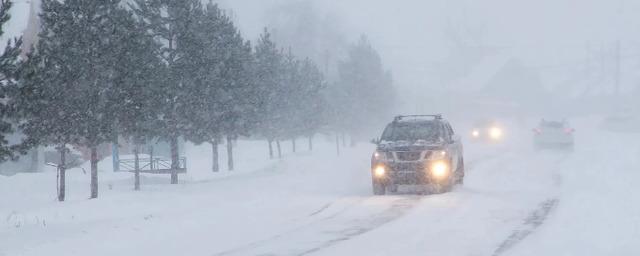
[{"x": 375, "y": 141}]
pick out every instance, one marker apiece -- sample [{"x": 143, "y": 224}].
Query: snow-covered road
[{"x": 516, "y": 201}]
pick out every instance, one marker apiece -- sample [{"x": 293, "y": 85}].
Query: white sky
[{"x": 409, "y": 33}]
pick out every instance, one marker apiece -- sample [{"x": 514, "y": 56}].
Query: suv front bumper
[{"x": 408, "y": 173}]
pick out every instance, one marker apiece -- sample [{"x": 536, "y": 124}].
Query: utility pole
[
  {"x": 617, "y": 70},
  {"x": 587, "y": 66}
]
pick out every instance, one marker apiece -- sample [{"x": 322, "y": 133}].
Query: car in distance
[
  {"x": 553, "y": 134},
  {"x": 417, "y": 150},
  {"x": 487, "y": 131}
]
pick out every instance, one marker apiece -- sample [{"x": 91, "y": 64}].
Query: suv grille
[{"x": 408, "y": 156}]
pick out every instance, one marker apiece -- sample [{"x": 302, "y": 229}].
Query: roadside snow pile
[{"x": 261, "y": 198}]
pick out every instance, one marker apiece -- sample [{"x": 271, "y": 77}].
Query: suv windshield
[{"x": 412, "y": 131}]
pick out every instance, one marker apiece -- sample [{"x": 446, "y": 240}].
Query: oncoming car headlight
[
  {"x": 475, "y": 133},
  {"x": 495, "y": 133}
]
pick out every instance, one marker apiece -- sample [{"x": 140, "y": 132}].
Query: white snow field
[{"x": 515, "y": 201}]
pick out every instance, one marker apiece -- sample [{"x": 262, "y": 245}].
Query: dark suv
[{"x": 417, "y": 150}]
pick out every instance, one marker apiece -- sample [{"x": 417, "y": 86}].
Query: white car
[{"x": 553, "y": 134}]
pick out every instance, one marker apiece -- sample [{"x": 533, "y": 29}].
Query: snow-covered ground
[{"x": 516, "y": 201}]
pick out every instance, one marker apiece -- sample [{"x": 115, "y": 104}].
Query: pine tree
[
  {"x": 268, "y": 71},
  {"x": 312, "y": 112},
  {"x": 220, "y": 77},
  {"x": 204, "y": 101},
  {"x": 135, "y": 77},
  {"x": 90, "y": 32},
  {"x": 68, "y": 89},
  {"x": 310, "y": 31},
  {"x": 236, "y": 76},
  {"x": 173, "y": 24},
  {"x": 42, "y": 99},
  {"x": 364, "y": 94},
  {"x": 8, "y": 67},
  {"x": 302, "y": 84},
  {"x": 292, "y": 99}
]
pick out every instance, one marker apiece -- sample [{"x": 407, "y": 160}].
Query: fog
[
  {"x": 320, "y": 127},
  {"x": 570, "y": 45}
]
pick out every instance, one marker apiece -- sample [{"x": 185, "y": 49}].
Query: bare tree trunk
[
  {"x": 279, "y": 149},
  {"x": 136, "y": 164},
  {"x": 151, "y": 167},
  {"x": 293, "y": 144},
  {"x": 62, "y": 171},
  {"x": 215, "y": 167},
  {"x": 311, "y": 143},
  {"x": 94, "y": 172},
  {"x": 270, "y": 149},
  {"x": 175, "y": 160},
  {"x": 230, "y": 152},
  {"x": 344, "y": 140}
]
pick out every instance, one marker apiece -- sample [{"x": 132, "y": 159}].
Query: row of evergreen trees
[{"x": 158, "y": 69}]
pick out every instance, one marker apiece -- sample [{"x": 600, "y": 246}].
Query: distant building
[{"x": 30, "y": 34}]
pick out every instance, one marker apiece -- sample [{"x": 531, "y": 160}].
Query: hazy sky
[{"x": 410, "y": 33}]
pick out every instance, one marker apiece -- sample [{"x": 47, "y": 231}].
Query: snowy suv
[{"x": 417, "y": 150}]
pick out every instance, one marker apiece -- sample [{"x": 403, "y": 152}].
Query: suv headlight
[
  {"x": 380, "y": 171},
  {"x": 439, "y": 169}
]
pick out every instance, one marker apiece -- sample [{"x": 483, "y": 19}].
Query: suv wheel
[
  {"x": 442, "y": 188},
  {"x": 379, "y": 188},
  {"x": 393, "y": 188}
]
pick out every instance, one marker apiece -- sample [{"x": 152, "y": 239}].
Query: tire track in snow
[
  {"x": 535, "y": 218},
  {"x": 395, "y": 212},
  {"x": 531, "y": 223},
  {"x": 294, "y": 230},
  {"x": 328, "y": 231},
  {"x": 324, "y": 207}
]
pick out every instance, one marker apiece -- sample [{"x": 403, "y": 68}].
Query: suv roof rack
[{"x": 400, "y": 118}]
